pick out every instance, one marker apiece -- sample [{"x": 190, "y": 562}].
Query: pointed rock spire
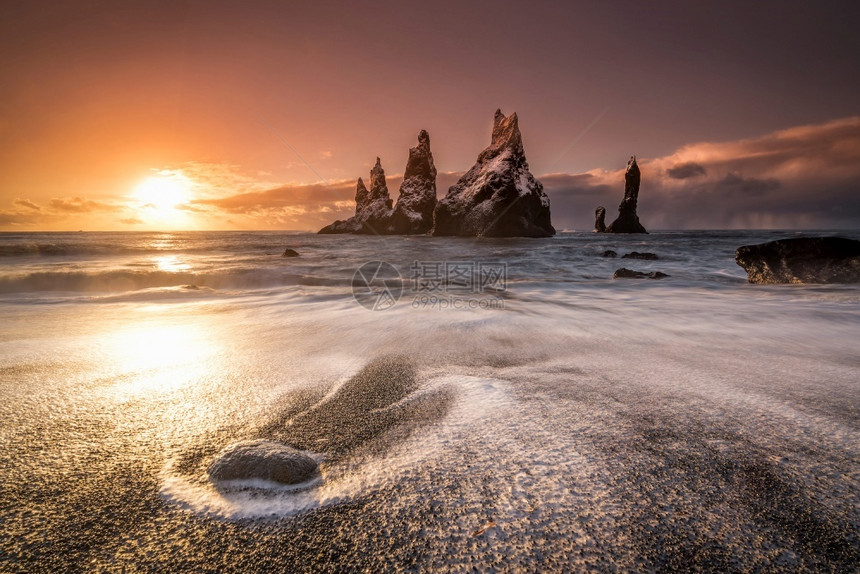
[
  {"x": 628, "y": 220},
  {"x": 498, "y": 197},
  {"x": 413, "y": 213},
  {"x": 599, "y": 219},
  {"x": 372, "y": 207}
]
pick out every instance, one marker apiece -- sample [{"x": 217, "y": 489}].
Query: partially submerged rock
[
  {"x": 628, "y": 220},
  {"x": 262, "y": 460},
  {"x": 625, "y": 273},
  {"x": 609, "y": 253},
  {"x": 637, "y": 255},
  {"x": 290, "y": 253},
  {"x": 413, "y": 213},
  {"x": 498, "y": 197},
  {"x": 802, "y": 260}
]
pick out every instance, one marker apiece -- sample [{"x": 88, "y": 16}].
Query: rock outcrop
[
  {"x": 290, "y": 253},
  {"x": 625, "y": 273},
  {"x": 498, "y": 197},
  {"x": 628, "y": 220},
  {"x": 413, "y": 213},
  {"x": 637, "y": 255},
  {"x": 373, "y": 207},
  {"x": 599, "y": 219},
  {"x": 802, "y": 260},
  {"x": 263, "y": 460}
]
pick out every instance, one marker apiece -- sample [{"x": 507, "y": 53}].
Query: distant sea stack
[
  {"x": 600, "y": 219},
  {"x": 413, "y": 213},
  {"x": 628, "y": 221},
  {"x": 372, "y": 207},
  {"x": 498, "y": 197},
  {"x": 802, "y": 260}
]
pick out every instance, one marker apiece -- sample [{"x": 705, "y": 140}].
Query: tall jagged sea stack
[
  {"x": 498, "y": 197},
  {"x": 372, "y": 207},
  {"x": 413, "y": 213},
  {"x": 627, "y": 220}
]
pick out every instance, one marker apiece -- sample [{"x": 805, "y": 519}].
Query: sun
[{"x": 164, "y": 191}]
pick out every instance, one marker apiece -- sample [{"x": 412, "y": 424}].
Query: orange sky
[{"x": 108, "y": 110}]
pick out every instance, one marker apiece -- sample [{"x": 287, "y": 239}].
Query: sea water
[{"x": 580, "y": 421}]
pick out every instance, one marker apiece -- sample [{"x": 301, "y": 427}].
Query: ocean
[{"x": 557, "y": 419}]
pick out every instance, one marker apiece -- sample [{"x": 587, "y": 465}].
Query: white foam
[{"x": 476, "y": 400}]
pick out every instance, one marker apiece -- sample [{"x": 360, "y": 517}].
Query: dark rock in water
[
  {"x": 498, "y": 197},
  {"x": 599, "y": 219},
  {"x": 372, "y": 207},
  {"x": 290, "y": 253},
  {"x": 628, "y": 220},
  {"x": 637, "y": 255},
  {"x": 265, "y": 460},
  {"x": 625, "y": 273},
  {"x": 413, "y": 213},
  {"x": 609, "y": 253},
  {"x": 802, "y": 260}
]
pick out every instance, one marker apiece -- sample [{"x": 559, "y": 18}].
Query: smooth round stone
[{"x": 265, "y": 460}]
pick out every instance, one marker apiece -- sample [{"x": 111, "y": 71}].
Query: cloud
[
  {"x": 26, "y": 204},
  {"x": 131, "y": 220},
  {"x": 81, "y": 205},
  {"x": 803, "y": 177},
  {"x": 686, "y": 170}
]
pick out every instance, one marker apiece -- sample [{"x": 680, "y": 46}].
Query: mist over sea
[{"x": 561, "y": 420}]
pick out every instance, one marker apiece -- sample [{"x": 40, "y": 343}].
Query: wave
[
  {"x": 121, "y": 281},
  {"x": 107, "y": 249}
]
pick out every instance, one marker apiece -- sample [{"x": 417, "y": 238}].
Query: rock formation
[
  {"x": 290, "y": 253},
  {"x": 498, "y": 197},
  {"x": 625, "y": 273},
  {"x": 413, "y": 213},
  {"x": 599, "y": 219},
  {"x": 802, "y": 260},
  {"x": 372, "y": 207},
  {"x": 637, "y": 255},
  {"x": 263, "y": 460},
  {"x": 628, "y": 220}
]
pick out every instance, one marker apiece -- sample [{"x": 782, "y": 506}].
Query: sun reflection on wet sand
[{"x": 158, "y": 356}]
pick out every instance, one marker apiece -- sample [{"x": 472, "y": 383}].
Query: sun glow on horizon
[
  {"x": 160, "y": 198},
  {"x": 164, "y": 191}
]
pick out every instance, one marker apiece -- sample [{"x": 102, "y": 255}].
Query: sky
[{"x": 261, "y": 115}]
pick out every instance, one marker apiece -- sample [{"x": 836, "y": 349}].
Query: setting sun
[{"x": 163, "y": 191}]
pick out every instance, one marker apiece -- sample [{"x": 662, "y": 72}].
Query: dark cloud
[
  {"x": 686, "y": 170},
  {"x": 734, "y": 184}
]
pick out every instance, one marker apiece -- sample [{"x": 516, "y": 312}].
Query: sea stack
[
  {"x": 372, "y": 207},
  {"x": 628, "y": 220},
  {"x": 599, "y": 219},
  {"x": 413, "y": 213},
  {"x": 498, "y": 197}
]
